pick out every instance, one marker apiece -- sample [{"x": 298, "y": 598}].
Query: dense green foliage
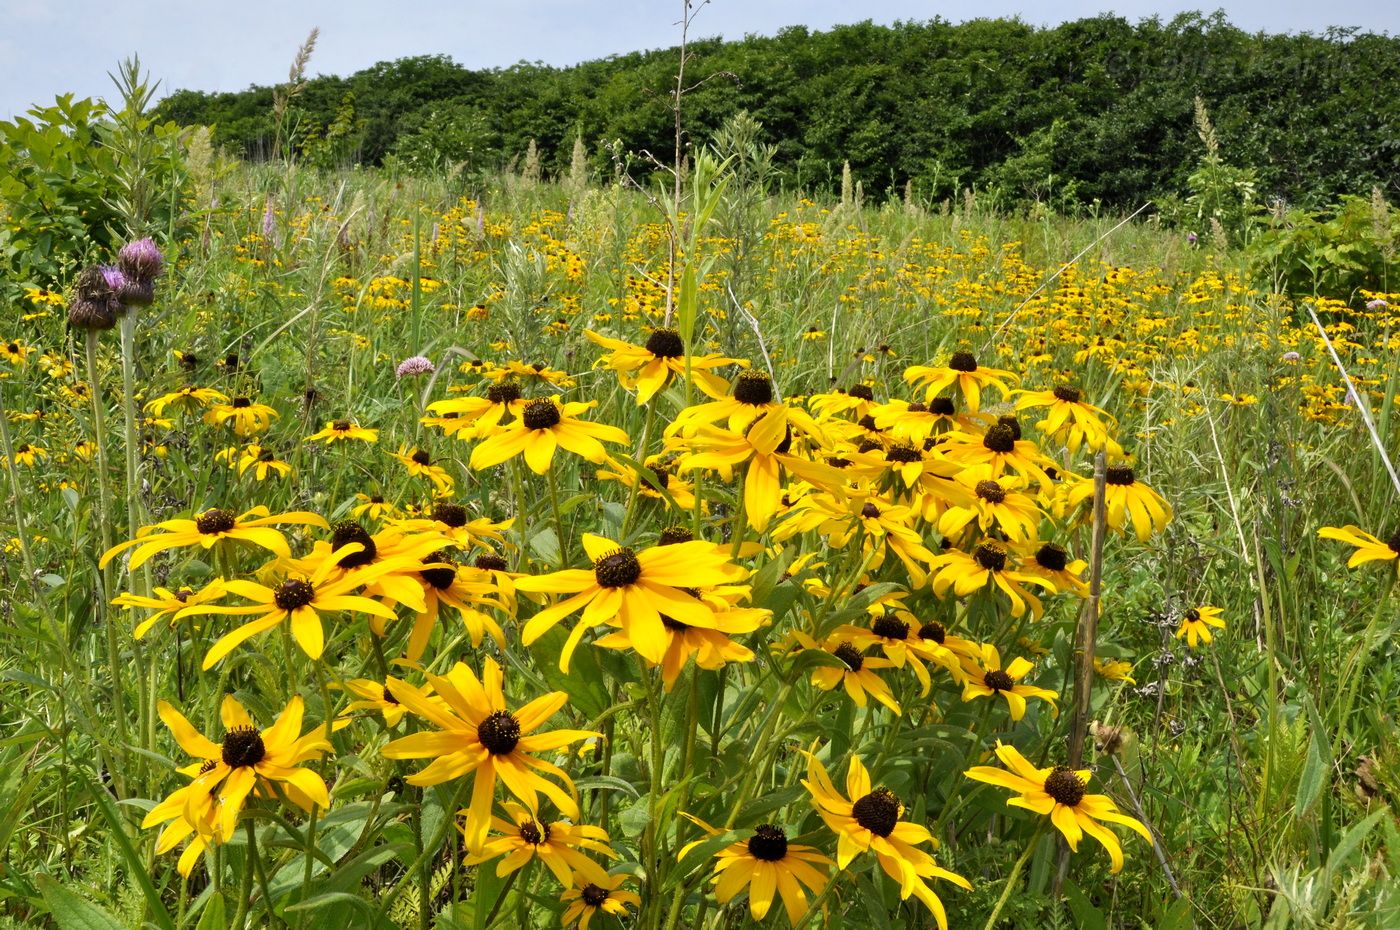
[{"x": 1097, "y": 109}]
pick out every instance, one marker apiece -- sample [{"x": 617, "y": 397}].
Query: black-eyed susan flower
[
  {"x": 634, "y": 590},
  {"x": 475, "y": 733},
  {"x": 1196, "y": 624},
  {"x": 1113, "y": 670},
  {"x": 343, "y": 431},
  {"x": 1052, "y": 562},
  {"x": 1070, "y": 419},
  {"x": 475, "y": 417},
  {"x": 28, "y": 455},
  {"x": 544, "y": 426},
  {"x": 166, "y": 603},
  {"x": 245, "y": 416},
  {"x": 994, "y": 502},
  {"x": 211, "y": 526},
  {"x": 298, "y": 602},
  {"x": 750, "y": 397},
  {"x": 1001, "y": 449},
  {"x": 420, "y": 465},
  {"x": 1127, "y": 500},
  {"x": 1368, "y": 548},
  {"x": 710, "y": 646},
  {"x": 1059, "y": 793},
  {"x": 986, "y": 678},
  {"x": 915, "y": 422},
  {"x": 246, "y": 760},
  {"x": 371, "y": 695},
  {"x": 765, "y": 865},
  {"x": 962, "y": 372},
  {"x": 868, "y": 819},
  {"x": 263, "y": 462},
  {"x": 465, "y": 590},
  {"x": 373, "y": 506},
  {"x": 989, "y": 564},
  {"x": 15, "y": 352},
  {"x": 646, "y": 368},
  {"x": 456, "y": 525},
  {"x": 559, "y": 845},
  {"x": 896, "y": 634},
  {"x": 185, "y": 400},
  {"x": 586, "y": 898},
  {"x": 852, "y": 671}
]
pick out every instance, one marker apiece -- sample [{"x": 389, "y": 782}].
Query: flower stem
[
  {"x": 1013, "y": 877},
  {"x": 21, "y": 533}
]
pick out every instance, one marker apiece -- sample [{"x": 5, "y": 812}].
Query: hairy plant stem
[
  {"x": 1012, "y": 878},
  {"x": 21, "y": 533}
]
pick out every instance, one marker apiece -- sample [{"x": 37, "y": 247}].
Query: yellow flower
[
  {"x": 1113, "y": 669},
  {"x": 247, "y": 759},
  {"x": 647, "y": 368},
  {"x": 475, "y": 417},
  {"x": 962, "y": 370},
  {"x": 420, "y": 465},
  {"x": 765, "y": 864},
  {"x": 986, "y": 678},
  {"x": 710, "y": 646},
  {"x": 15, "y": 352},
  {"x": 989, "y": 564},
  {"x": 587, "y": 898},
  {"x": 475, "y": 733},
  {"x": 869, "y": 821},
  {"x": 28, "y": 455},
  {"x": 994, "y": 502},
  {"x": 296, "y": 601},
  {"x": 1368, "y": 548},
  {"x": 263, "y": 462},
  {"x": 543, "y": 427},
  {"x": 167, "y": 603},
  {"x": 187, "y": 398},
  {"x": 1127, "y": 500},
  {"x": 246, "y": 417},
  {"x": 341, "y": 430},
  {"x": 1070, "y": 419},
  {"x": 212, "y": 526},
  {"x": 1196, "y": 623},
  {"x": 1059, "y": 794},
  {"x": 559, "y": 845},
  {"x": 632, "y": 590}
]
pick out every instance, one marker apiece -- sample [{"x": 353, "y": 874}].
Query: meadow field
[{"x": 394, "y": 551}]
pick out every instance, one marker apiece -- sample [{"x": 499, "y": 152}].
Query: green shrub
[{"x": 1330, "y": 254}]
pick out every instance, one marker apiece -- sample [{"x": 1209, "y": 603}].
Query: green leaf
[
  {"x": 1318, "y": 764},
  {"x": 136, "y": 866},
  {"x": 1086, "y": 916},
  {"x": 213, "y": 916},
  {"x": 72, "y": 912}
]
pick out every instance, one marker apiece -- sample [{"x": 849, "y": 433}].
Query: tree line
[{"x": 1095, "y": 110}]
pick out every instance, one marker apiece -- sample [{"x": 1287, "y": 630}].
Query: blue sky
[{"x": 54, "y": 46}]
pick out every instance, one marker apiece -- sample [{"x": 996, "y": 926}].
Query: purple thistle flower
[
  {"x": 1191, "y": 238},
  {"x": 113, "y": 277},
  {"x": 269, "y": 223},
  {"x": 1291, "y": 356},
  {"x": 1377, "y": 304},
  {"x": 141, "y": 260},
  {"x": 415, "y": 365}
]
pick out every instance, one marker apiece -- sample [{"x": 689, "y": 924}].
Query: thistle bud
[
  {"x": 140, "y": 263},
  {"x": 94, "y": 304}
]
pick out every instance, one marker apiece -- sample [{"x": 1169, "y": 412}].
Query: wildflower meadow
[{"x": 415, "y": 550}]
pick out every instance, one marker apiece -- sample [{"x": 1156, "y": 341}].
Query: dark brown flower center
[
  {"x": 998, "y": 680},
  {"x": 341, "y": 426},
  {"x": 350, "y": 531},
  {"x": 505, "y": 392},
  {"x": 891, "y": 628},
  {"x": 617, "y": 569},
  {"x": 768, "y": 843},
  {"x": 1000, "y": 438},
  {"x": 453, "y": 515},
  {"x": 214, "y": 521},
  {"x": 878, "y": 811},
  {"x": 933, "y": 630},
  {"x": 869, "y": 511},
  {"x": 1394, "y": 542},
  {"x": 443, "y": 577},
  {"x": 963, "y": 361},
  {"x": 919, "y": 407},
  {"x": 388, "y": 697},
  {"x": 1012, "y": 424},
  {"x": 1069, "y": 395},
  {"x": 1119, "y": 474},
  {"x": 243, "y": 747},
  {"x": 293, "y": 594},
  {"x": 534, "y": 832},
  {"x": 239, "y": 403},
  {"x": 861, "y": 391},
  {"x": 837, "y": 462},
  {"x": 1193, "y": 615},
  {"x": 499, "y": 733},
  {"x": 491, "y": 562},
  {"x": 991, "y": 556},
  {"x": 850, "y": 655},
  {"x": 666, "y": 343},
  {"x": 754, "y": 388},
  {"x": 1052, "y": 557},
  {"x": 421, "y": 457},
  {"x": 942, "y": 406},
  {"x": 991, "y": 492},
  {"x": 903, "y": 454},
  {"x": 541, "y": 414},
  {"x": 1064, "y": 786},
  {"x": 592, "y": 895},
  {"x": 672, "y": 535}
]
